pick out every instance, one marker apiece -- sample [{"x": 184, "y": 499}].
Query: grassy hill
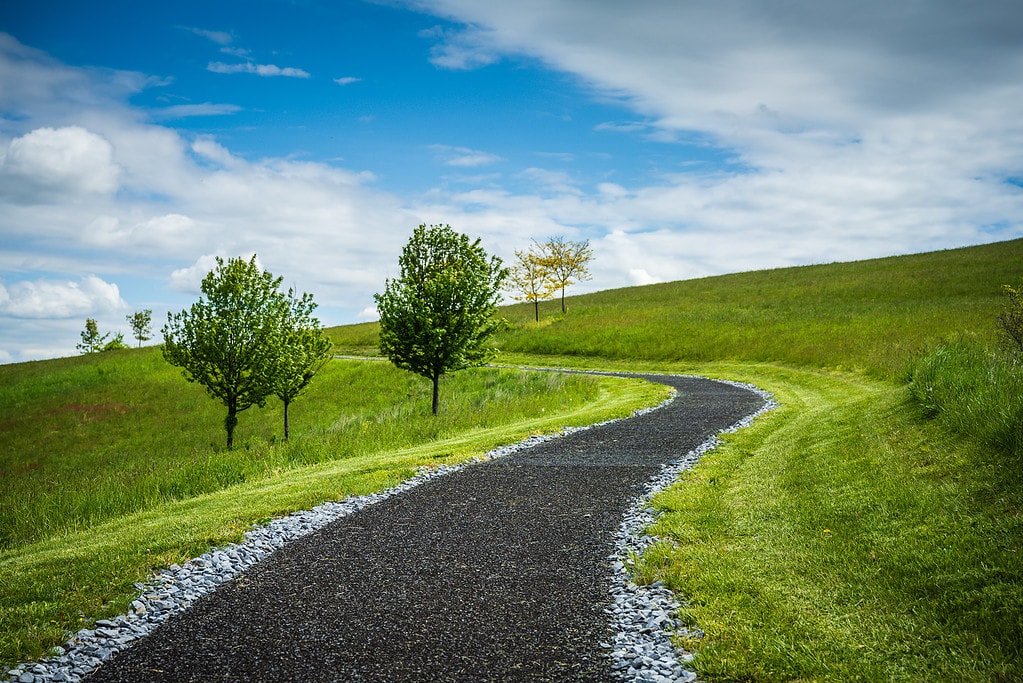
[
  {"x": 851, "y": 534},
  {"x": 870, "y": 315}
]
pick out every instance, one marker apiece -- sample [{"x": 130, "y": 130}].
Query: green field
[
  {"x": 114, "y": 466},
  {"x": 871, "y": 528}
]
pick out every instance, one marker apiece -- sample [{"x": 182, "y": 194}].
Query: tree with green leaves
[
  {"x": 567, "y": 262},
  {"x": 438, "y": 316},
  {"x": 529, "y": 279},
  {"x": 115, "y": 344},
  {"x": 92, "y": 340},
  {"x": 228, "y": 340},
  {"x": 302, "y": 351},
  {"x": 141, "y": 325}
]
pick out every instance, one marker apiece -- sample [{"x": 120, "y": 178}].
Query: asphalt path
[{"x": 497, "y": 572}]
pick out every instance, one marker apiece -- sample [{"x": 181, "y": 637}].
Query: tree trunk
[
  {"x": 287, "y": 431},
  {"x": 230, "y": 422},
  {"x": 436, "y": 392},
  {"x": 536, "y": 309},
  {"x": 562, "y": 299}
]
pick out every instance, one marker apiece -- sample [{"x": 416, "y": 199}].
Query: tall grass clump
[{"x": 974, "y": 390}]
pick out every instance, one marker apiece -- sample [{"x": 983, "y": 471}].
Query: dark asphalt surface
[{"x": 498, "y": 572}]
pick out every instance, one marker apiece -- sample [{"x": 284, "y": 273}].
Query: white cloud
[
  {"x": 218, "y": 37},
  {"x": 463, "y": 156},
  {"x": 461, "y": 50},
  {"x": 888, "y": 129},
  {"x": 189, "y": 279},
  {"x": 639, "y": 276},
  {"x": 181, "y": 111},
  {"x": 166, "y": 233},
  {"x": 550, "y": 181},
  {"x": 59, "y": 299},
  {"x": 237, "y": 52},
  {"x": 347, "y": 80},
  {"x": 56, "y": 162},
  {"x": 857, "y": 131},
  {"x": 258, "y": 69},
  {"x": 368, "y": 314}
]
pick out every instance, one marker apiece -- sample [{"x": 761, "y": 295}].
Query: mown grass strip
[{"x": 56, "y": 585}]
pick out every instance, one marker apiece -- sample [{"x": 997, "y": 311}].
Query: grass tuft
[{"x": 973, "y": 390}]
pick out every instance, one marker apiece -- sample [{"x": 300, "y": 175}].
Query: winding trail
[{"x": 496, "y": 572}]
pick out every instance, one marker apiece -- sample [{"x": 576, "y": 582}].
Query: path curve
[{"x": 496, "y": 572}]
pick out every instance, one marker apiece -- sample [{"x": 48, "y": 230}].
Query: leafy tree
[
  {"x": 1010, "y": 320},
  {"x": 530, "y": 279},
  {"x": 141, "y": 325},
  {"x": 438, "y": 315},
  {"x": 567, "y": 262},
  {"x": 115, "y": 344},
  {"x": 92, "y": 340},
  {"x": 227, "y": 341},
  {"x": 302, "y": 349}
]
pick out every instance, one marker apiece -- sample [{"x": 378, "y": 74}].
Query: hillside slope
[{"x": 866, "y": 315}]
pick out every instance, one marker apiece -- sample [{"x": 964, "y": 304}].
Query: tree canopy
[
  {"x": 141, "y": 325},
  {"x": 566, "y": 262},
  {"x": 245, "y": 340},
  {"x": 302, "y": 350},
  {"x": 529, "y": 279},
  {"x": 92, "y": 340},
  {"x": 439, "y": 314}
]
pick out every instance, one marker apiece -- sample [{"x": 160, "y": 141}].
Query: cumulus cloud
[
  {"x": 190, "y": 278},
  {"x": 368, "y": 314},
  {"x": 347, "y": 80},
  {"x": 57, "y": 162},
  {"x": 59, "y": 299},
  {"x": 258, "y": 69}
]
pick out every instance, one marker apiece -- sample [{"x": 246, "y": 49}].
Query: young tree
[
  {"x": 567, "y": 262},
  {"x": 115, "y": 344},
  {"x": 141, "y": 325},
  {"x": 227, "y": 340},
  {"x": 301, "y": 351},
  {"x": 92, "y": 340},
  {"x": 530, "y": 279},
  {"x": 438, "y": 315}
]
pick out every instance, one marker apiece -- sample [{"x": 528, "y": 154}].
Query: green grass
[
  {"x": 114, "y": 466},
  {"x": 140, "y": 435},
  {"x": 974, "y": 390},
  {"x": 844, "y": 538},
  {"x": 859, "y": 532},
  {"x": 868, "y": 316}
]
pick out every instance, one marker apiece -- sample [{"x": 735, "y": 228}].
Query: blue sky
[{"x": 138, "y": 141}]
